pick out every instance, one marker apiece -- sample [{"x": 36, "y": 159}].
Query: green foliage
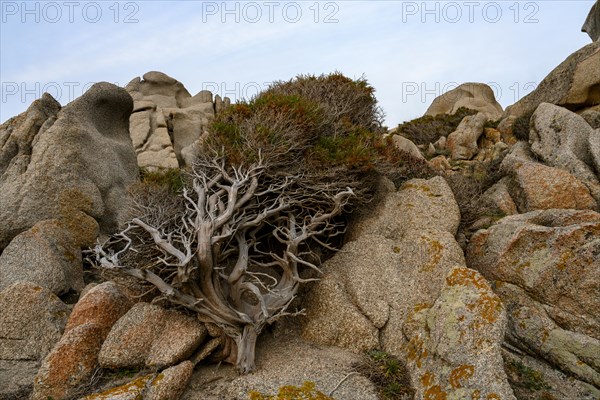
[
  {"x": 521, "y": 126},
  {"x": 305, "y": 392},
  {"x": 171, "y": 179},
  {"x": 528, "y": 377},
  {"x": 124, "y": 373},
  {"x": 388, "y": 373},
  {"x": 428, "y": 129},
  {"x": 329, "y": 120},
  {"x": 313, "y": 126}
]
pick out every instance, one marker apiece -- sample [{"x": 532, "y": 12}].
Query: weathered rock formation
[
  {"x": 462, "y": 143},
  {"x": 401, "y": 285},
  {"x": 64, "y": 164},
  {"x": 74, "y": 359},
  {"x": 564, "y": 140},
  {"x": 574, "y": 84},
  {"x": 476, "y": 96},
  {"x": 592, "y": 23},
  {"x": 167, "y": 121},
  {"x": 544, "y": 265},
  {"x": 31, "y": 322}
]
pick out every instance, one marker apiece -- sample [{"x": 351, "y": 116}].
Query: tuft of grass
[
  {"x": 388, "y": 374},
  {"x": 170, "y": 179},
  {"x": 528, "y": 377}
]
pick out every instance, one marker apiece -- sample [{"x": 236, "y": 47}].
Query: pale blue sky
[{"x": 410, "y": 51}]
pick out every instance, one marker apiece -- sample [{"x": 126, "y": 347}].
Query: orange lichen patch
[
  {"x": 415, "y": 351},
  {"x": 493, "y": 396},
  {"x": 427, "y": 379},
  {"x": 488, "y": 306},
  {"x": 435, "y": 393},
  {"x": 424, "y": 188},
  {"x": 476, "y": 395},
  {"x": 466, "y": 277},
  {"x": 435, "y": 251},
  {"x": 460, "y": 375},
  {"x": 421, "y": 306}
]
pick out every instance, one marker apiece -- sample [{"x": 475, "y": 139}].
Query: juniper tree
[{"x": 271, "y": 180}]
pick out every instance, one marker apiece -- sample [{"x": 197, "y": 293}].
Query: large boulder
[
  {"x": 396, "y": 264},
  {"x": 77, "y": 160},
  {"x": 574, "y": 84},
  {"x": 167, "y": 121},
  {"x": 544, "y": 265},
  {"x": 49, "y": 255},
  {"x": 534, "y": 186},
  {"x": 564, "y": 140},
  {"x": 73, "y": 360},
  {"x": 150, "y": 336},
  {"x": 31, "y": 322},
  {"x": 462, "y": 143},
  {"x": 476, "y": 96},
  {"x": 592, "y": 23},
  {"x": 454, "y": 345},
  {"x": 407, "y": 146},
  {"x": 166, "y": 385}
]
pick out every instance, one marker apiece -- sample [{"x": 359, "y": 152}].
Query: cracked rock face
[
  {"x": 56, "y": 163},
  {"x": 574, "y": 84},
  {"x": 167, "y": 121},
  {"x": 544, "y": 265},
  {"x": 400, "y": 284}
]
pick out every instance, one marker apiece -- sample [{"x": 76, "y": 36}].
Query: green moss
[
  {"x": 167, "y": 178},
  {"x": 528, "y": 377}
]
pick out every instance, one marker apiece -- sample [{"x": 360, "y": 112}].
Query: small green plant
[
  {"x": 388, "y": 373},
  {"x": 305, "y": 392},
  {"x": 521, "y": 126},
  {"x": 429, "y": 129},
  {"x": 168, "y": 178},
  {"x": 528, "y": 377},
  {"x": 124, "y": 373}
]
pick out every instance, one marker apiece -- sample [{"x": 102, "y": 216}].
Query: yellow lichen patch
[
  {"x": 488, "y": 307},
  {"x": 134, "y": 387},
  {"x": 435, "y": 393},
  {"x": 466, "y": 277},
  {"x": 435, "y": 251},
  {"x": 564, "y": 260},
  {"x": 158, "y": 378},
  {"x": 460, "y": 375},
  {"x": 415, "y": 351},
  {"x": 427, "y": 379},
  {"x": 493, "y": 396},
  {"x": 476, "y": 395},
  {"x": 421, "y": 306}
]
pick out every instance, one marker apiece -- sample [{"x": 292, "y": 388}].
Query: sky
[{"x": 409, "y": 51}]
